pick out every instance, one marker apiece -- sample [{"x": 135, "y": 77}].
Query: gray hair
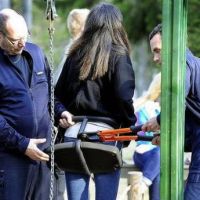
[
  {"x": 3, "y": 19},
  {"x": 5, "y": 15}
]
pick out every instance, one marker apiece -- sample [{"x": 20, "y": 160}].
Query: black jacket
[{"x": 108, "y": 96}]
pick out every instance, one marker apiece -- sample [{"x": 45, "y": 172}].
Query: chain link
[
  {"x": 51, "y": 63},
  {"x": 51, "y": 15}
]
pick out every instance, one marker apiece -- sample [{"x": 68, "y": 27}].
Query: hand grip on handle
[
  {"x": 136, "y": 129},
  {"x": 146, "y": 137}
]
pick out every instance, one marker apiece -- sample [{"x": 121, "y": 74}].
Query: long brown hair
[{"x": 102, "y": 34}]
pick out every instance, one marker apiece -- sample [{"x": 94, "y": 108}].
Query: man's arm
[
  {"x": 152, "y": 125},
  {"x": 11, "y": 138}
]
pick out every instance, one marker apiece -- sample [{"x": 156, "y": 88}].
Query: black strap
[
  {"x": 84, "y": 122},
  {"x": 78, "y": 147},
  {"x": 81, "y": 157},
  {"x": 83, "y": 126}
]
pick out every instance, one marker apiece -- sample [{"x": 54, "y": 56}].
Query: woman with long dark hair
[{"x": 97, "y": 80}]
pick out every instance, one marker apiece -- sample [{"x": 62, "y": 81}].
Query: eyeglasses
[{"x": 15, "y": 42}]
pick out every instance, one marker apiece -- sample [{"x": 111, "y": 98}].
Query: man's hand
[
  {"x": 151, "y": 125},
  {"x": 66, "y": 119},
  {"x": 156, "y": 141},
  {"x": 34, "y": 152}
]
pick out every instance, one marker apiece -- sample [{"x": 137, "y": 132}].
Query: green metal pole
[
  {"x": 173, "y": 98},
  {"x": 166, "y": 101}
]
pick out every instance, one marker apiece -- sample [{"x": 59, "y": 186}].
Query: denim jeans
[
  {"x": 149, "y": 164},
  {"x": 106, "y": 184}
]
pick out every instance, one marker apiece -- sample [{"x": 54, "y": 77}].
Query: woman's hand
[{"x": 66, "y": 119}]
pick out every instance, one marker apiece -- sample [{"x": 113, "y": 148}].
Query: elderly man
[
  {"x": 192, "y": 113},
  {"x": 24, "y": 113}
]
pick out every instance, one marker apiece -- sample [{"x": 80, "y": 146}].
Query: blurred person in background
[
  {"x": 146, "y": 156},
  {"x": 75, "y": 24}
]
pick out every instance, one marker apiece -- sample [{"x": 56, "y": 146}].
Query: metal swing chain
[{"x": 51, "y": 15}]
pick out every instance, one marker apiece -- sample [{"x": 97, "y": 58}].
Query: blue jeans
[
  {"x": 149, "y": 164},
  {"x": 106, "y": 186}
]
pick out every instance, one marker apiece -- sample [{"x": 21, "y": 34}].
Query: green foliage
[
  {"x": 140, "y": 16},
  {"x": 61, "y": 35},
  {"x": 40, "y": 34}
]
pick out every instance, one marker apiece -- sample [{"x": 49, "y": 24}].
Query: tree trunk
[
  {"x": 27, "y": 12},
  {"x": 4, "y": 4}
]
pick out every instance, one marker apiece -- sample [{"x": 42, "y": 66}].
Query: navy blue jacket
[
  {"x": 192, "y": 86},
  {"x": 24, "y": 110}
]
